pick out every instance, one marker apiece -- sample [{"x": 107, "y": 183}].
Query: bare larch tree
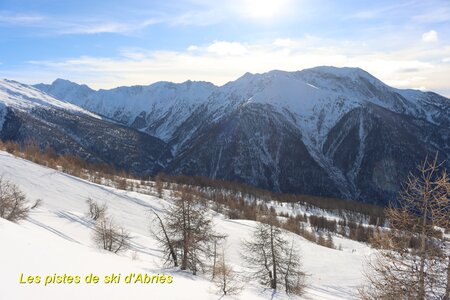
[
  {"x": 186, "y": 232},
  {"x": 225, "y": 279},
  {"x": 413, "y": 262},
  {"x": 272, "y": 259}
]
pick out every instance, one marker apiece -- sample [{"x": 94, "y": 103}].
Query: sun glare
[{"x": 265, "y": 9}]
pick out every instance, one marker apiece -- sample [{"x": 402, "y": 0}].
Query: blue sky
[{"x": 110, "y": 43}]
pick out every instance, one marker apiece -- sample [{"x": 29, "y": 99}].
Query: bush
[
  {"x": 122, "y": 184},
  {"x": 13, "y": 203},
  {"x": 109, "y": 236},
  {"x": 95, "y": 210}
]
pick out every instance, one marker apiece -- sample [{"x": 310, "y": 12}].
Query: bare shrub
[
  {"x": 13, "y": 203},
  {"x": 109, "y": 236},
  {"x": 226, "y": 280},
  {"x": 95, "y": 211}
]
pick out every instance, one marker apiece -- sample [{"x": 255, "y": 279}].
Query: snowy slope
[
  {"x": 56, "y": 238},
  {"x": 25, "y": 97}
]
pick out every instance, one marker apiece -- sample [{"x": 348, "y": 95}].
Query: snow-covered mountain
[
  {"x": 26, "y": 114},
  {"x": 324, "y": 131},
  {"x": 158, "y": 109},
  {"x": 25, "y": 98}
]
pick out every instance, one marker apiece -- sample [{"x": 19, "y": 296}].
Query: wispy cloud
[
  {"x": 434, "y": 15},
  {"x": 198, "y": 13},
  {"x": 383, "y": 10},
  {"x": 412, "y": 11},
  {"x": 202, "y": 17},
  {"x": 223, "y": 48},
  {"x": 62, "y": 25},
  {"x": 20, "y": 19},
  {"x": 101, "y": 26}
]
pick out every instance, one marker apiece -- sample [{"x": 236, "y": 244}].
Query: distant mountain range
[
  {"x": 323, "y": 131},
  {"x": 28, "y": 114}
]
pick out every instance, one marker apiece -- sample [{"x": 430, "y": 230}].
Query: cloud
[
  {"x": 195, "y": 13},
  {"x": 192, "y": 48},
  {"x": 284, "y": 42},
  {"x": 20, "y": 19},
  {"x": 63, "y": 25},
  {"x": 92, "y": 28},
  {"x": 382, "y": 11},
  {"x": 203, "y": 17},
  {"x": 223, "y": 48},
  {"x": 223, "y": 61},
  {"x": 133, "y": 53},
  {"x": 439, "y": 13},
  {"x": 430, "y": 36}
]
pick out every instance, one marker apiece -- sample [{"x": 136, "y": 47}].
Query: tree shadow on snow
[{"x": 74, "y": 218}]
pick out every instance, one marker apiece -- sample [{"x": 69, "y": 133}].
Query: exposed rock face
[{"x": 258, "y": 146}]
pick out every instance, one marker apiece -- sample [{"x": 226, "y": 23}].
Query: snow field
[{"x": 57, "y": 239}]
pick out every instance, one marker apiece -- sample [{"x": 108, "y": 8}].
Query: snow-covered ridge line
[
  {"x": 160, "y": 108},
  {"x": 25, "y": 97}
]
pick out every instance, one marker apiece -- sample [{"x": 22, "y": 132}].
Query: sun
[{"x": 265, "y": 9}]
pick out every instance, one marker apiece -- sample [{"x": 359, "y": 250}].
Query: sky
[{"x": 106, "y": 44}]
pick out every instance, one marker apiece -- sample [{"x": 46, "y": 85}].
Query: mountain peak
[
  {"x": 345, "y": 72},
  {"x": 201, "y": 83},
  {"x": 306, "y": 75},
  {"x": 61, "y": 81},
  {"x": 249, "y": 76},
  {"x": 64, "y": 83}
]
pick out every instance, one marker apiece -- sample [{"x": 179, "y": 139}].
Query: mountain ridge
[
  {"x": 27, "y": 114},
  {"x": 245, "y": 130}
]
